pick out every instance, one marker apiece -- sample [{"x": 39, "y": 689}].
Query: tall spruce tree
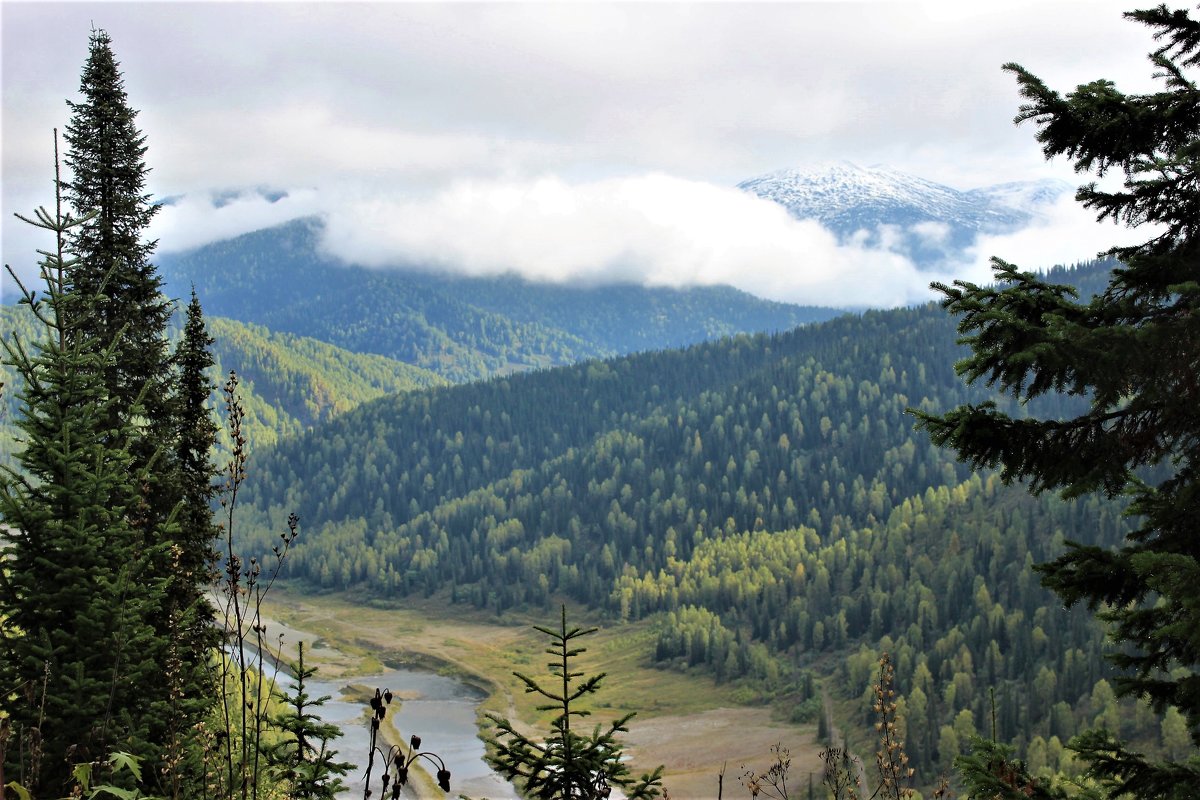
[
  {"x": 158, "y": 396},
  {"x": 106, "y": 156},
  {"x": 76, "y": 590},
  {"x": 1134, "y": 353},
  {"x": 113, "y": 273}
]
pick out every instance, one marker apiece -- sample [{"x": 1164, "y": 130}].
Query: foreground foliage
[
  {"x": 107, "y": 637},
  {"x": 1133, "y": 353},
  {"x": 158, "y": 395},
  {"x": 77, "y": 588},
  {"x": 103, "y": 623}
]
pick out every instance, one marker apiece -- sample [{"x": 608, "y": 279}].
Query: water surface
[{"x": 439, "y": 709}]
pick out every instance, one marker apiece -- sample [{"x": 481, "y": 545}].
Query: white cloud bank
[
  {"x": 192, "y": 220},
  {"x": 653, "y": 230},
  {"x": 659, "y": 230},
  {"x": 1066, "y": 233}
]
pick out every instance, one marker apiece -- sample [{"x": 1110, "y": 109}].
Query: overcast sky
[{"x": 568, "y": 141}]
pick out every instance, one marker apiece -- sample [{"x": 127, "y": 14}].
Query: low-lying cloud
[
  {"x": 1064, "y": 233},
  {"x": 659, "y": 230},
  {"x": 653, "y": 230},
  {"x": 198, "y": 219}
]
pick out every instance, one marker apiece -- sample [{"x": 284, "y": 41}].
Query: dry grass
[{"x": 693, "y": 748}]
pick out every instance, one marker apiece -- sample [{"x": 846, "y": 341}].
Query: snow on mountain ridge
[
  {"x": 882, "y": 207},
  {"x": 840, "y": 193},
  {"x": 841, "y": 185}
]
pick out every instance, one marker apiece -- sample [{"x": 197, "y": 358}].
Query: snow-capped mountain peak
[{"x": 862, "y": 201}]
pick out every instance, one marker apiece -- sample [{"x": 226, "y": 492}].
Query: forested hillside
[
  {"x": 288, "y": 383},
  {"x": 815, "y": 416},
  {"x": 293, "y": 382},
  {"x": 765, "y": 495},
  {"x": 460, "y": 328}
]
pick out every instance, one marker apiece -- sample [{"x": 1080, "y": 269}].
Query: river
[{"x": 439, "y": 709}]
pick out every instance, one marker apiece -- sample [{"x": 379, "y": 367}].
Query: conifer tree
[
  {"x": 192, "y": 634},
  {"x": 75, "y": 591},
  {"x": 1134, "y": 353},
  {"x": 113, "y": 271},
  {"x": 303, "y": 758},
  {"x": 194, "y": 439},
  {"x": 567, "y": 765},
  {"x": 158, "y": 397}
]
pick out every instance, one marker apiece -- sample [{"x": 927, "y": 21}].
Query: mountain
[
  {"x": 764, "y": 498},
  {"x": 287, "y": 383},
  {"x": 461, "y": 328},
  {"x": 882, "y": 207},
  {"x": 290, "y": 383}
]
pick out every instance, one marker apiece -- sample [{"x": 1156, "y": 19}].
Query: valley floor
[{"x": 687, "y": 723}]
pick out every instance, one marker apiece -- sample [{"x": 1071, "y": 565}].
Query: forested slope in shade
[
  {"x": 288, "y": 383},
  {"x": 462, "y": 328}
]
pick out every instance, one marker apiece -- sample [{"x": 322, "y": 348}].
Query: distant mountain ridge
[
  {"x": 465, "y": 328},
  {"x": 930, "y": 222},
  {"x": 461, "y": 328}
]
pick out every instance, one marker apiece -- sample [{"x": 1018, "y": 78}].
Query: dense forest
[
  {"x": 765, "y": 498},
  {"x": 459, "y": 327}
]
